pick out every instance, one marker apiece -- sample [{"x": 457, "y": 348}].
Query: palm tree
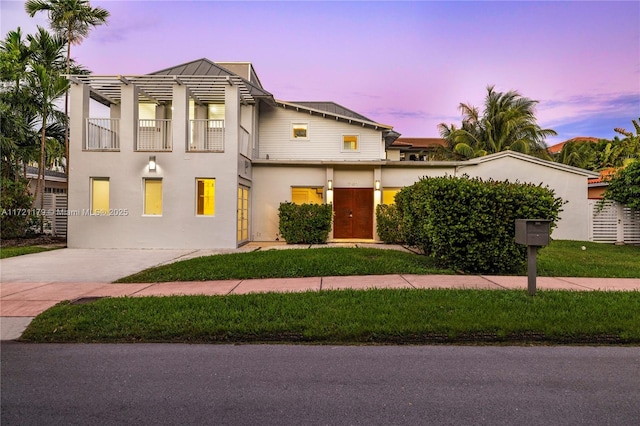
[
  {"x": 16, "y": 106},
  {"x": 48, "y": 85},
  {"x": 72, "y": 19},
  {"x": 508, "y": 122}
]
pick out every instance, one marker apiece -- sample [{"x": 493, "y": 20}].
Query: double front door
[{"x": 353, "y": 208}]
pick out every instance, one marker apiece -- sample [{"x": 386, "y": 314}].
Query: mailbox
[{"x": 533, "y": 232}]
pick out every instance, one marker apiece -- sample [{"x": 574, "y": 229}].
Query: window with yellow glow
[
  {"x": 300, "y": 130},
  {"x": 389, "y": 195},
  {"x": 349, "y": 143},
  {"x": 205, "y": 197},
  {"x": 99, "y": 196},
  {"x": 153, "y": 197},
  {"x": 313, "y": 195},
  {"x": 243, "y": 213},
  {"x": 146, "y": 111}
]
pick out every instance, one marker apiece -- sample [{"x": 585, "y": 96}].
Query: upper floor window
[
  {"x": 350, "y": 143},
  {"x": 300, "y": 130}
]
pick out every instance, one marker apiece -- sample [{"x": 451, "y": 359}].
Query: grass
[
  {"x": 405, "y": 316},
  {"x": 567, "y": 259},
  {"x": 560, "y": 259},
  {"x": 19, "y": 251},
  {"x": 291, "y": 263}
]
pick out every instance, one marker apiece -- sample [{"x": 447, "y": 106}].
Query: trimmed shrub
[
  {"x": 389, "y": 224},
  {"x": 469, "y": 224},
  {"x": 305, "y": 223}
]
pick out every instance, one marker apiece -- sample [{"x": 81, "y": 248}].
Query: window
[
  {"x": 301, "y": 195},
  {"x": 205, "y": 197},
  {"x": 349, "y": 142},
  {"x": 153, "y": 197},
  {"x": 146, "y": 111},
  {"x": 99, "y": 196},
  {"x": 300, "y": 130},
  {"x": 389, "y": 195}
]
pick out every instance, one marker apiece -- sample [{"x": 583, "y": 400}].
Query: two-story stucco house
[{"x": 200, "y": 155}]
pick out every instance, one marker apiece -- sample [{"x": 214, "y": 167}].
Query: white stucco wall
[{"x": 178, "y": 226}]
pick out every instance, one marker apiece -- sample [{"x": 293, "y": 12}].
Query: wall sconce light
[
  {"x": 330, "y": 184},
  {"x": 377, "y": 185},
  {"x": 152, "y": 163}
]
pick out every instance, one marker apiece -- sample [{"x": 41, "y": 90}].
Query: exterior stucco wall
[
  {"x": 178, "y": 226},
  {"x": 571, "y": 187},
  {"x": 272, "y": 186},
  {"x": 398, "y": 177},
  {"x": 324, "y": 141}
]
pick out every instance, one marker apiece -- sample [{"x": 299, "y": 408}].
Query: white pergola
[{"x": 204, "y": 89}]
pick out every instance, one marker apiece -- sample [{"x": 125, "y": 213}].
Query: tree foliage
[
  {"x": 624, "y": 187},
  {"x": 71, "y": 20},
  {"x": 508, "y": 122},
  {"x": 605, "y": 153}
]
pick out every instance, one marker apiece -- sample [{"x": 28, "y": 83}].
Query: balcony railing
[
  {"x": 206, "y": 135},
  {"x": 154, "y": 135},
  {"x": 102, "y": 134}
]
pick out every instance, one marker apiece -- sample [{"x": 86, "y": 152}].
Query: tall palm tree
[
  {"x": 48, "y": 85},
  {"x": 508, "y": 122},
  {"x": 72, "y": 19},
  {"x": 16, "y": 106}
]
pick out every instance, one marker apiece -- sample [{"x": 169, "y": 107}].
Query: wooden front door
[{"x": 353, "y": 208}]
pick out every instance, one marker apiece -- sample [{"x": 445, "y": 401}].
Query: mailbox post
[{"x": 533, "y": 233}]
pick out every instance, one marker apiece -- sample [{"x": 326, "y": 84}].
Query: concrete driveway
[{"x": 88, "y": 265}]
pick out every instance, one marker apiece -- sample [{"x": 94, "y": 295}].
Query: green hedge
[
  {"x": 469, "y": 224},
  {"x": 305, "y": 223},
  {"x": 389, "y": 224}
]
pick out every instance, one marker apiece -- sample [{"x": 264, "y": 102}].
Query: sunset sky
[{"x": 406, "y": 64}]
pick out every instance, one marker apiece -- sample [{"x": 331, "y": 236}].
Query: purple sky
[{"x": 407, "y": 64}]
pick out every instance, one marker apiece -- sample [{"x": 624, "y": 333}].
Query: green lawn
[
  {"x": 291, "y": 263},
  {"x": 561, "y": 259},
  {"x": 19, "y": 251},
  {"x": 406, "y": 316},
  {"x": 567, "y": 259}
]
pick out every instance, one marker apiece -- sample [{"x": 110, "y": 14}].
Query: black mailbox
[{"x": 533, "y": 232}]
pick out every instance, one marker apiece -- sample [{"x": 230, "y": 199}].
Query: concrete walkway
[{"x": 33, "y": 283}]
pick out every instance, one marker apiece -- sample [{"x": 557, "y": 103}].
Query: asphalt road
[{"x": 311, "y": 385}]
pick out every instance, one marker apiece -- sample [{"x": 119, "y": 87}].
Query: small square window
[
  {"x": 349, "y": 142},
  {"x": 300, "y": 130}
]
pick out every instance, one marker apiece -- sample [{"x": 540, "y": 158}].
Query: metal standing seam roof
[{"x": 205, "y": 80}]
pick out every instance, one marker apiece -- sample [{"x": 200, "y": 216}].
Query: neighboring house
[
  {"x": 200, "y": 156},
  {"x": 55, "y": 198},
  {"x": 555, "y": 149},
  {"x": 415, "y": 149}
]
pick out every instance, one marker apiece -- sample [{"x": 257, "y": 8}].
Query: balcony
[
  {"x": 154, "y": 135},
  {"x": 206, "y": 135},
  {"x": 102, "y": 134}
]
